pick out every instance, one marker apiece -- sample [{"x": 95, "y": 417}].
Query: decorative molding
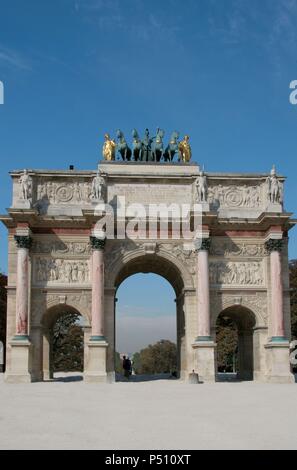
[
  {"x": 61, "y": 247},
  {"x": 231, "y": 248},
  {"x": 187, "y": 257}
]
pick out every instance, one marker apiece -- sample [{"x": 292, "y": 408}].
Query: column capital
[
  {"x": 23, "y": 241},
  {"x": 97, "y": 243},
  {"x": 202, "y": 244},
  {"x": 274, "y": 244}
]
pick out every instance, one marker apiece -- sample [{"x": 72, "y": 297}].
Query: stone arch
[
  {"x": 234, "y": 301},
  {"x": 66, "y": 303},
  {"x": 55, "y": 309},
  {"x": 245, "y": 321},
  {"x": 162, "y": 262}
]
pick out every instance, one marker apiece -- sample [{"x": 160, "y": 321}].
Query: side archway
[
  {"x": 241, "y": 343},
  {"x": 50, "y": 321}
]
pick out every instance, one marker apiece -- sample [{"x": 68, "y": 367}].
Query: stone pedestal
[
  {"x": 19, "y": 368},
  {"x": 278, "y": 362},
  {"x": 205, "y": 360},
  {"x": 95, "y": 369}
]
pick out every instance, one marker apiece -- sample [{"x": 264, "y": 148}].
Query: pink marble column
[
  {"x": 97, "y": 289},
  {"x": 203, "y": 291},
  {"x": 22, "y": 285},
  {"x": 274, "y": 247}
]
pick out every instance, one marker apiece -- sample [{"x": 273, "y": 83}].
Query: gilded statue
[
  {"x": 109, "y": 148},
  {"x": 184, "y": 148}
]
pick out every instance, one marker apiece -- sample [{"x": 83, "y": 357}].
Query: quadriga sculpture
[
  {"x": 122, "y": 146},
  {"x": 172, "y": 147},
  {"x": 157, "y": 147},
  {"x": 136, "y": 146}
]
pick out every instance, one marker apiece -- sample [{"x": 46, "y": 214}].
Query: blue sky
[{"x": 217, "y": 69}]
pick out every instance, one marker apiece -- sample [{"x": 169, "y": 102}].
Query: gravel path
[{"x": 161, "y": 414}]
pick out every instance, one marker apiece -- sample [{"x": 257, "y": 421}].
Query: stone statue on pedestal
[
  {"x": 274, "y": 188},
  {"x": 201, "y": 187},
  {"x": 98, "y": 186},
  {"x": 25, "y": 186}
]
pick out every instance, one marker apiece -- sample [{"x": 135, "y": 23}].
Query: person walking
[{"x": 126, "y": 367}]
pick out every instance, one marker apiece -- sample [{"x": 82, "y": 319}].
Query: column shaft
[
  {"x": 277, "y": 313},
  {"x": 203, "y": 295},
  {"x": 98, "y": 294},
  {"x": 22, "y": 291}
]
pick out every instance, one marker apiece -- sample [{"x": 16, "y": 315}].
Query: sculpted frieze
[
  {"x": 233, "y": 196},
  {"x": 64, "y": 192},
  {"x": 60, "y": 270},
  {"x": 236, "y": 273}
]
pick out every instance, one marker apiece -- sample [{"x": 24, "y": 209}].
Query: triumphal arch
[{"x": 221, "y": 240}]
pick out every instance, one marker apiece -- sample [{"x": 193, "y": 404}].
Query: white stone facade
[{"x": 239, "y": 272}]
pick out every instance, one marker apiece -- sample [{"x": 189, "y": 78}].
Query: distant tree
[
  {"x": 293, "y": 296},
  {"x": 118, "y": 363},
  {"x": 160, "y": 357},
  {"x": 227, "y": 341},
  {"x": 68, "y": 344},
  {"x": 136, "y": 363}
]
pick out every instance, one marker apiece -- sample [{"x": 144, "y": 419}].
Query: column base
[
  {"x": 19, "y": 370},
  {"x": 205, "y": 359},
  {"x": 278, "y": 362},
  {"x": 95, "y": 371}
]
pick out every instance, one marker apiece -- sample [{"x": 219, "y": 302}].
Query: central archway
[
  {"x": 164, "y": 265},
  {"x": 146, "y": 316}
]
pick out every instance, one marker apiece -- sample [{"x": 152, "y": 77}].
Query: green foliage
[
  {"x": 293, "y": 296},
  {"x": 156, "y": 359},
  {"x": 68, "y": 344},
  {"x": 136, "y": 363},
  {"x": 227, "y": 341},
  {"x": 118, "y": 363}
]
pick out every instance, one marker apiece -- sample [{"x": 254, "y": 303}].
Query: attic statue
[
  {"x": 184, "y": 148},
  {"x": 109, "y": 148}
]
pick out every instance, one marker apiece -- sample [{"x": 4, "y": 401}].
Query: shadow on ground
[
  {"x": 66, "y": 377},
  {"x": 144, "y": 377}
]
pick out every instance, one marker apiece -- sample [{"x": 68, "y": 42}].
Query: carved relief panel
[{"x": 48, "y": 270}]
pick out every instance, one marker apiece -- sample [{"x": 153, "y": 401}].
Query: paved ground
[{"x": 161, "y": 414}]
